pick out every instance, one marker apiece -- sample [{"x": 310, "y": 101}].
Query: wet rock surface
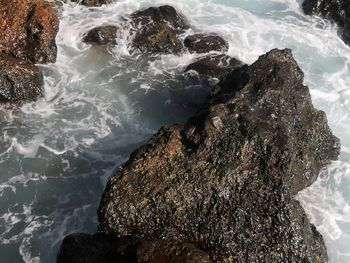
[
  {"x": 102, "y": 35},
  {"x": 20, "y": 81},
  {"x": 204, "y": 43},
  {"x": 337, "y": 11},
  {"x": 226, "y": 180},
  {"x": 215, "y": 66},
  {"x": 158, "y": 29},
  {"x": 28, "y": 30},
  {"x": 80, "y": 248}
]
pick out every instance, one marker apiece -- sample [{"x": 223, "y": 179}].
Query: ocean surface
[{"x": 56, "y": 154}]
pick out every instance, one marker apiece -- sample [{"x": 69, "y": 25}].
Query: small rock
[
  {"x": 102, "y": 35},
  {"x": 20, "y": 81},
  {"x": 215, "y": 66},
  {"x": 158, "y": 38},
  {"x": 158, "y": 29},
  {"x": 166, "y": 13},
  {"x": 92, "y": 3},
  {"x": 204, "y": 43}
]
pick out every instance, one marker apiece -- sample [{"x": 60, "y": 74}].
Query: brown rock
[
  {"x": 20, "y": 80},
  {"x": 28, "y": 29}
]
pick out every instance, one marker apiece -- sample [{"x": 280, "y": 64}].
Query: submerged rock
[
  {"x": 215, "y": 66},
  {"x": 158, "y": 29},
  {"x": 226, "y": 180},
  {"x": 102, "y": 35},
  {"x": 337, "y": 11},
  {"x": 94, "y": 249},
  {"x": 28, "y": 30},
  {"x": 20, "y": 81},
  {"x": 204, "y": 43}
]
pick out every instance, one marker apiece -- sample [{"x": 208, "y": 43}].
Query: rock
[
  {"x": 28, "y": 29},
  {"x": 96, "y": 2},
  {"x": 87, "y": 248},
  {"x": 20, "y": 81},
  {"x": 93, "y": 3},
  {"x": 102, "y": 35},
  {"x": 157, "y": 30},
  {"x": 337, "y": 11},
  {"x": 166, "y": 14},
  {"x": 158, "y": 38},
  {"x": 226, "y": 179},
  {"x": 215, "y": 66},
  {"x": 204, "y": 43}
]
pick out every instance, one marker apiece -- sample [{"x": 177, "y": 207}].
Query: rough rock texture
[
  {"x": 19, "y": 80},
  {"x": 204, "y": 43},
  {"x": 225, "y": 180},
  {"x": 336, "y": 10},
  {"x": 28, "y": 29},
  {"x": 102, "y": 35},
  {"x": 216, "y": 66},
  {"x": 158, "y": 29},
  {"x": 83, "y": 248}
]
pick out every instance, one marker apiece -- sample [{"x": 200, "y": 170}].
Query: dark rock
[
  {"x": 28, "y": 30},
  {"x": 20, "y": 81},
  {"x": 157, "y": 30},
  {"x": 215, "y": 66},
  {"x": 226, "y": 180},
  {"x": 202, "y": 43},
  {"x": 102, "y": 35},
  {"x": 337, "y": 11},
  {"x": 158, "y": 38},
  {"x": 83, "y": 248},
  {"x": 94, "y": 3},
  {"x": 166, "y": 14}
]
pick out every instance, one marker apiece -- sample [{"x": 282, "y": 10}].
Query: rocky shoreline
[
  {"x": 224, "y": 182},
  {"x": 218, "y": 188}
]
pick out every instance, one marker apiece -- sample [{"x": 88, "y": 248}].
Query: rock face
[
  {"x": 102, "y": 35},
  {"x": 28, "y": 29},
  {"x": 337, "y": 11},
  {"x": 157, "y": 30},
  {"x": 85, "y": 248},
  {"x": 225, "y": 180},
  {"x": 216, "y": 66},
  {"x": 202, "y": 43},
  {"x": 19, "y": 80}
]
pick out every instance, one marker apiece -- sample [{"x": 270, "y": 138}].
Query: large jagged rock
[
  {"x": 337, "y": 11},
  {"x": 83, "y": 248},
  {"x": 204, "y": 43},
  {"x": 20, "y": 81},
  {"x": 158, "y": 29},
  {"x": 28, "y": 30},
  {"x": 214, "y": 66},
  {"x": 226, "y": 180}
]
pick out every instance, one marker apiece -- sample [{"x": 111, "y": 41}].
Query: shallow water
[{"x": 57, "y": 153}]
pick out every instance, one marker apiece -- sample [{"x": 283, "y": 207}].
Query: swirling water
[{"x": 57, "y": 153}]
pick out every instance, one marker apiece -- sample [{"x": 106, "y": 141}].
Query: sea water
[{"x": 101, "y": 103}]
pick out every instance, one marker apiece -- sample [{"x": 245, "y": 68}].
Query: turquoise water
[{"x": 57, "y": 153}]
